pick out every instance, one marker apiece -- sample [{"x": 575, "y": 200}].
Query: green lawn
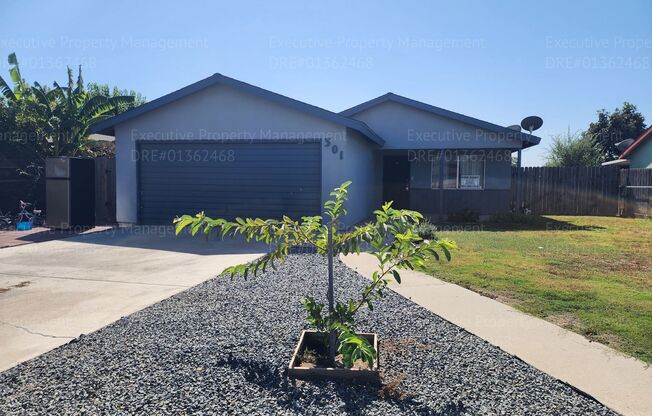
[{"x": 592, "y": 275}]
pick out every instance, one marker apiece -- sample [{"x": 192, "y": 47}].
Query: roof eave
[
  {"x": 527, "y": 139},
  {"x": 616, "y": 162},
  {"x": 108, "y": 126}
]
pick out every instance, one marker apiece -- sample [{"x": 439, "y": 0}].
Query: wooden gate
[
  {"x": 635, "y": 196},
  {"x": 104, "y": 190}
]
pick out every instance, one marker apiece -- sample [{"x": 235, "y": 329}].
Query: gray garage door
[{"x": 228, "y": 179}]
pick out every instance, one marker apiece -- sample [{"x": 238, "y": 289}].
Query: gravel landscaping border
[{"x": 222, "y": 347}]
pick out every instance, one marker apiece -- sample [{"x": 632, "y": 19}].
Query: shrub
[
  {"x": 464, "y": 216},
  {"x": 427, "y": 230}
]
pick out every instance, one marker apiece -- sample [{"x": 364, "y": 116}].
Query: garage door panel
[
  {"x": 265, "y": 180},
  {"x": 209, "y": 193},
  {"x": 242, "y": 165},
  {"x": 251, "y": 173}
]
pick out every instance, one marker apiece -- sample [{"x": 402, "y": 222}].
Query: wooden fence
[
  {"x": 635, "y": 193},
  {"x": 104, "y": 190},
  {"x": 566, "y": 191}
]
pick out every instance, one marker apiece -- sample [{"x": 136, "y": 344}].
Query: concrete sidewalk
[{"x": 618, "y": 381}]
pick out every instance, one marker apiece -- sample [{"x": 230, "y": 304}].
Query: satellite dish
[
  {"x": 532, "y": 123},
  {"x": 621, "y": 146},
  {"x": 514, "y": 127}
]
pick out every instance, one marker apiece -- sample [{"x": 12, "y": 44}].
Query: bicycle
[{"x": 35, "y": 217}]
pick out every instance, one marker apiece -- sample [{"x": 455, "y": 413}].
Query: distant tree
[
  {"x": 94, "y": 89},
  {"x": 106, "y": 148},
  {"x": 574, "y": 149},
  {"x": 624, "y": 123}
]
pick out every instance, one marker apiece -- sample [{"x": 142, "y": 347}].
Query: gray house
[{"x": 233, "y": 149}]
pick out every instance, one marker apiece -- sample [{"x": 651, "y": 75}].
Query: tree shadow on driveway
[{"x": 163, "y": 237}]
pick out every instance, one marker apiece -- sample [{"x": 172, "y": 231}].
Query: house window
[
  {"x": 434, "y": 171},
  {"x": 463, "y": 171},
  {"x": 471, "y": 172}
]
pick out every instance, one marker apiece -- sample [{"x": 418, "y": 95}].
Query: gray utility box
[{"x": 70, "y": 192}]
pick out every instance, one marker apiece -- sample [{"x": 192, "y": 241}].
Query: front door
[{"x": 396, "y": 181}]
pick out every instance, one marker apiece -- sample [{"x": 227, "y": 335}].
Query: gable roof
[
  {"x": 646, "y": 134},
  {"x": 528, "y": 139},
  {"x": 107, "y": 126}
]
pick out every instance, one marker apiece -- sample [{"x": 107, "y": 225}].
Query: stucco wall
[
  {"x": 221, "y": 112},
  {"x": 405, "y": 127},
  {"x": 641, "y": 157},
  {"x": 485, "y": 203},
  {"x": 361, "y": 163}
]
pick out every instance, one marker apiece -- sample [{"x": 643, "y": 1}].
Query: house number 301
[{"x": 334, "y": 148}]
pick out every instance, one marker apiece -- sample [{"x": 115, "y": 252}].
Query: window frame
[{"x": 435, "y": 166}]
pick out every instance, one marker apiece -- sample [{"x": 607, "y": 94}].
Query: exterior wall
[
  {"x": 361, "y": 163},
  {"x": 494, "y": 198},
  {"x": 498, "y": 173},
  {"x": 219, "y": 113},
  {"x": 485, "y": 202},
  {"x": 641, "y": 156},
  {"x": 404, "y": 127}
]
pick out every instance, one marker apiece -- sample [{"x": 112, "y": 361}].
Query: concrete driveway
[{"x": 52, "y": 292}]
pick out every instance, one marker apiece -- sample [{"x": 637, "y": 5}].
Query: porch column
[{"x": 441, "y": 184}]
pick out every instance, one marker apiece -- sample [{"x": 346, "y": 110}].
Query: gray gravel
[{"x": 222, "y": 348}]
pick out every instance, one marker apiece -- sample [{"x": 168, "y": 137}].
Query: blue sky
[{"x": 498, "y": 61}]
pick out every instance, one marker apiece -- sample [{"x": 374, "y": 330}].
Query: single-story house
[
  {"x": 637, "y": 155},
  {"x": 233, "y": 149}
]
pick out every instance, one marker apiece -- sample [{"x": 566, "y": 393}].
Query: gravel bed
[{"x": 222, "y": 348}]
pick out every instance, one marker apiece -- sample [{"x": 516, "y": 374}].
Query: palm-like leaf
[
  {"x": 55, "y": 94},
  {"x": 97, "y": 119},
  {"x": 102, "y": 107},
  {"x": 11, "y": 59},
  {"x": 40, "y": 94},
  {"x": 6, "y": 90},
  {"x": 80, "y": 82},
  {"x": 93, "y": 106},
  {"x": 14, "y": 73},
  {"x": 119, "y": 100}
]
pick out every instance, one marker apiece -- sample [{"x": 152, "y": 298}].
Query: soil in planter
[{"x": 314, "y": 354}]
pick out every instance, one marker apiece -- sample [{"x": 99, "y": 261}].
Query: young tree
[
  {"x": 624, "y": 123},
  {"x": 574, "y": 149},
  {"x": 392, "y": 238}
]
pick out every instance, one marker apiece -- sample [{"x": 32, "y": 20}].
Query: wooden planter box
[{"x": 308, "y": 339}]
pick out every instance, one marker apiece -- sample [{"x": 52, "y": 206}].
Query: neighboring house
[
  {"x": 230, "y": 148},
  {"x": 638, "y": 154}
]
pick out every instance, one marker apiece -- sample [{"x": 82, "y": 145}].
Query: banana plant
[
  {"x": 392, "y": 238},
  {"x": 76, "y": 110},
  {"x": 68, "y": 111},
  {"x": 20, "y": 88}
]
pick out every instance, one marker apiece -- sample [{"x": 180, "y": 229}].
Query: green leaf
[
  {"x": 397, "y": 276},
  {"x": 182, "y": 223},
  {"x": 6, "y": 91},
  {"x": 446, "y": 253}
]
